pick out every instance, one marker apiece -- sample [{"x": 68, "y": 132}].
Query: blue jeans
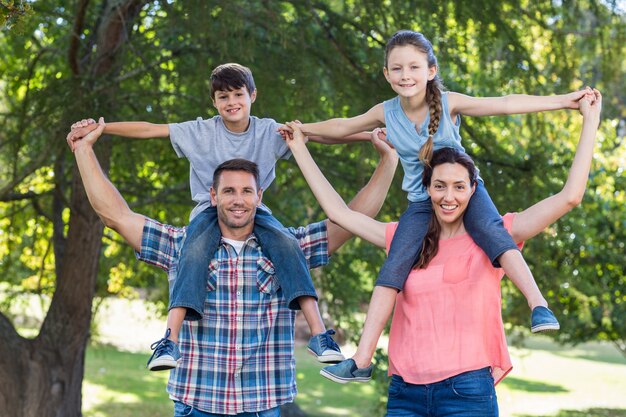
[
  {"x": 202, "y": 240},
  {"x": 470, "y": 394},
  {"x": 183, "y": 410},
  {"x": 482, "y": 222}
]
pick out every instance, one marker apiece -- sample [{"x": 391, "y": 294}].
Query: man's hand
[
  {"x": 381, "y": 144},
  {"x": 84, "y": 133},
  {"x": 79, "y": 130}
]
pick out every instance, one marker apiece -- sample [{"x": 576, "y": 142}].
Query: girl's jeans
[
  {"x": 469, "y": 394},
  {"x": 482, "y": 222},
  {"x": 202, "y": 241}
]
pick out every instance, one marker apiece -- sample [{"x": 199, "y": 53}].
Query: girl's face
[
  {"x": 450, "y": 191},
  {"x": 408, "y": 72}
]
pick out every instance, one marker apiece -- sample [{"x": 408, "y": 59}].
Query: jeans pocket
[
  {"x": 182, "y": 410},
  {"x": 476, "y": 387},
  {"x": 396, "y": 386}
]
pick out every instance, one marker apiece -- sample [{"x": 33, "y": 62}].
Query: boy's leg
[
  {"x": 293, "y": 275},
  {"x": 283, "y": 249},
  {"x": 188, "y": 292},
  {"x": 166, "y": 353},
  {"x": 484, "y": 224},
  {"x": 321, "y": 344},
  {"x": 201, "y": 241},
  {"x": 406, "y": 245}
]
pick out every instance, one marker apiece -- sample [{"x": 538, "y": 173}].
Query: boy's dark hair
[
  {"x": 237, "y": 164},
  {"x": 231, "y": 76}
]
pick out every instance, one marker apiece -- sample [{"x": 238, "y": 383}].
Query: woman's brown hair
[{"x": 441, "y": 156}]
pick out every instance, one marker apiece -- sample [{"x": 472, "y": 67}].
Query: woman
[{"x": 447, "y": 347}]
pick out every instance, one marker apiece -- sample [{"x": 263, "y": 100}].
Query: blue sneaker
[
  {"x": 542, "y": 320},
  {"x": 165, "y": 356},
  {"x": 324, "y": 348},
  {"x": 347, "y": 371}
]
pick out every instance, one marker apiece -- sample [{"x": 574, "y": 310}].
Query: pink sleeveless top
[{"x": 447, "y": 319}]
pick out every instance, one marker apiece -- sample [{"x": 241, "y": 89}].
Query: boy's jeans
[
  {"x": 482, "y": 222},
  {"x": 469, "y": 394},
  {"x": 202, "y": 240},
  {"x": 183, "y": 410}
]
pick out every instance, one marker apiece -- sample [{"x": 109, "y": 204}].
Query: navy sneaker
[
  {"x": 543, "y": 320},
  {"x": 165, "y": 355},
  {"x": 347, "y": 371},
  {"x": 324, "y": 348}
]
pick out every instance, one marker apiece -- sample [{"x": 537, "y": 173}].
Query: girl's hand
[{"x": 379, "y": 140}]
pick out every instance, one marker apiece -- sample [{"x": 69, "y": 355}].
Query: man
[{"x": 237, "y": 360}]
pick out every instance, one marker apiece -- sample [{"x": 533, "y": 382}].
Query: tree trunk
[{"x": 43, "y": 377}]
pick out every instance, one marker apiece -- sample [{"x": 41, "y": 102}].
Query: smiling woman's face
[{"x": 450, "y": 191}]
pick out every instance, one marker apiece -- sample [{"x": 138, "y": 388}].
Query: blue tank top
[{"x": 408, "y": 140}]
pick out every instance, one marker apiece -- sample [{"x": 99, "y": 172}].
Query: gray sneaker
[
  {"x": 324, "y": 348},
  {"x": 543, "y": 320},
  {"x": 347, "y": 371},
  {"x": 165, "y": 356}
]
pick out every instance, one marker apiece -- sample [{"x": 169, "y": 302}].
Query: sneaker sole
[
  {"x": 162, "y": 365},
  {"x": 332, "y": 358},
  {"x": 545, "y": 328},
  {"x": 340, "y": 380}
]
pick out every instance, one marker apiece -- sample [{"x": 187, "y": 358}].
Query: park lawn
[
  {"x": 547, "y": 380},
  {"x": 117, "y": 384}
]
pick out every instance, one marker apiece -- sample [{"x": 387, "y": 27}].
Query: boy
[{"x": 234, "y": 133}]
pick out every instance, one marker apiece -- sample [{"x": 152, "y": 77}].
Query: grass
[{"x": 547, "y": 381}]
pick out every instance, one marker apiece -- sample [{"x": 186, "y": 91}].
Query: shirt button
[
  {"x": 239, "y": 293},
  {"x": 236, "y": 374}
]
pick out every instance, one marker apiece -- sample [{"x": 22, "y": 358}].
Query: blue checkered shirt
[{"x": 239, "y": 357}]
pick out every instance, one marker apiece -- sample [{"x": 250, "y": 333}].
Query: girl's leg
[
  {"x": 406, "y": 245},
  {"x": 485, "y": 226}
]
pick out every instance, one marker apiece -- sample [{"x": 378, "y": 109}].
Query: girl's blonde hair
[{"x": 433, "y": 87}]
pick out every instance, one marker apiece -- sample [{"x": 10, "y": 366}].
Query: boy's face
[{"x": 234, "y": 107}]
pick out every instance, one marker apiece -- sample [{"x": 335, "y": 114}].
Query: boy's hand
[
  {"x": 284, "y": 130},
  {"x": 88, "y": 139},
  {"x": 572, "y": 100},
  {"x": 293, "y": 133},
  {"x": 81, "y": 129}
]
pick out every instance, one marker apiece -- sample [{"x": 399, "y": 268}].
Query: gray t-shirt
[{"x": 208, "y": 143}]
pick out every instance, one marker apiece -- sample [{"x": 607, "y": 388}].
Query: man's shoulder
[{"x": 312, "y": 232}]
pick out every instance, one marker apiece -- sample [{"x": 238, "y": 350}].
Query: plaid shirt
[{"x": 239, "y": 357}]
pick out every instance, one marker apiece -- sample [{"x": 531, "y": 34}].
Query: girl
[
  {"x": 447, "y": 346},
  {"x": 422, "y": 118}
]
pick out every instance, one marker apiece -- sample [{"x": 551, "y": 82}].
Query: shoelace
[
  {"x": 159, "y": 345},
  {"x": 328, "y": 342}
]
